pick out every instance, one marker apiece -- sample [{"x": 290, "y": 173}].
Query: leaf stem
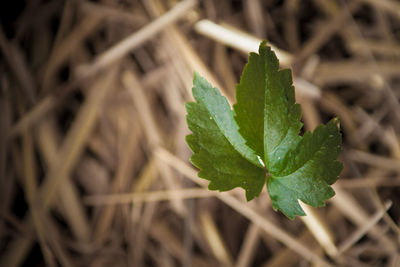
[{"x": 267, "y": 175}]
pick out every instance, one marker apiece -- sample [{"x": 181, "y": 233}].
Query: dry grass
[{"x": 94, "y": 168}]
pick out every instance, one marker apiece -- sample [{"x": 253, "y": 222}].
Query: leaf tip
[
  {"x": 249, "y": 197},
  {"x": 263, "y": 44},
  {"x": 336, "y": 121}
]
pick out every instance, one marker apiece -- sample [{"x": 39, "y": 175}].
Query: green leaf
[
  {"x": 231, "y": 149},
  {"x": 266, "y": 111},
  {"x": 308, "y": 171},
  {"x": 219, "y": 150}
]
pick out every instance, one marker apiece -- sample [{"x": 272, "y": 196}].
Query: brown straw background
[{"x": 94, "y": 168}]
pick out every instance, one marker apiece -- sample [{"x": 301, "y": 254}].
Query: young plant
[{"x": 258, "y": 141}]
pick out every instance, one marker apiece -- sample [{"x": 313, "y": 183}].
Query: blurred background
[{"x": 94, "y": 168}]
